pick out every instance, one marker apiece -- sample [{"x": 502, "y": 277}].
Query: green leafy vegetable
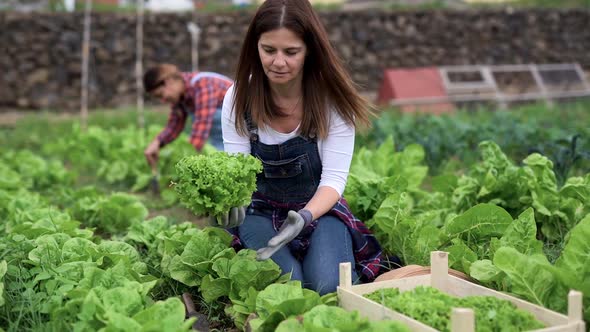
[
  {"x": 433, "y": 307},
  {"x": 3, "y": 268},
  {"x": 213, "y": 184},
  {"x": 335, "y": 319}
]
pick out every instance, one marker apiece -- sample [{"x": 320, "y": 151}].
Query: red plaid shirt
[{"x": 203, "y": 95}]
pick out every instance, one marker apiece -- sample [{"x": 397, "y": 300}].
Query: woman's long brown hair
[{"x": 325, "y": 80}]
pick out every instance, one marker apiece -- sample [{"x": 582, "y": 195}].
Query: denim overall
[{"x": 290, "y": 177}]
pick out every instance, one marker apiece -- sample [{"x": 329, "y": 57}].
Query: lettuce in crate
[{"x": 210, "y": 185}]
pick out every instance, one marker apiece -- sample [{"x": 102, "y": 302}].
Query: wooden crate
[{"x": 462, "y": 319}]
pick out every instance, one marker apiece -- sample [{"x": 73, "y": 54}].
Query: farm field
[{"x": 85, "y": 245}]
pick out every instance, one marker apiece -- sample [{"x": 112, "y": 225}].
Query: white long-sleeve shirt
[{"x": 335, "y": 150}]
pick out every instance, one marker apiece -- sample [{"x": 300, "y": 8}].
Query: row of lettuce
[
  {"x": 81, "y": 260},
  {"x": 558, "y": 132},
  {"x": 110, "y": 149}
]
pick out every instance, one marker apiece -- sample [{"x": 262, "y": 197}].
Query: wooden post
[
  {"x": 195, "y": 32},
  {"x": 139, "y": 65},
  {"x": 439, "y": 269},
  {"x": 345, "y": 276},
  {"x": 462, "y": 320},
  {"x": 85, "y": 56},
  {"x": 574, "y": 306}
]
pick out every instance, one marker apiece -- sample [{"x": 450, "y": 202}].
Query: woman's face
[
  {"x": 170, "y": 92},
  {"x": 282, "y": 54}
]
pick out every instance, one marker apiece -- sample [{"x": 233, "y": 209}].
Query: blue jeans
[{"x": 330, "y": 245}]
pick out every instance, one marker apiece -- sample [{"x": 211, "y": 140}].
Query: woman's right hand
[{"x": 233, "y": 218}]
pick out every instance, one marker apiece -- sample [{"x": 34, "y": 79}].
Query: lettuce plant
[{"x": 213, "y": 184}]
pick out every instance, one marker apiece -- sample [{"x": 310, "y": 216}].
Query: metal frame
[{"x": 466, "y": 91}]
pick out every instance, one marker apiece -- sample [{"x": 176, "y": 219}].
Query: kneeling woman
[{"x": 294, "y": 107}]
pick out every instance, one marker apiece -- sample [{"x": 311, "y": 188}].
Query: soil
[{"x": 9, "y": 119}]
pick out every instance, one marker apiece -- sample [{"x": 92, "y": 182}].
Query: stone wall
[{"x": 40, "y": 57}]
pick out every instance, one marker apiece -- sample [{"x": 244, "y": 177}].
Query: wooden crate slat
[
  {"x": 439, "y": 270},
  {"x": 462, "y": 319},
  {"x": 570, "y": 327},
  {"x": 403, "y": 284},
  {"x": 574, "y": 306}
]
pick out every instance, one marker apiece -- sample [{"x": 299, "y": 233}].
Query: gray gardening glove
[
  {"x": 291, "y": 227},
  {"x": 233, "y": 218}
]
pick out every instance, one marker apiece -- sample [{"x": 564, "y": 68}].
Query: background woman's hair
[
  {"x": 154, "y": 77},
  {"x": 325, "y": 80}
]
